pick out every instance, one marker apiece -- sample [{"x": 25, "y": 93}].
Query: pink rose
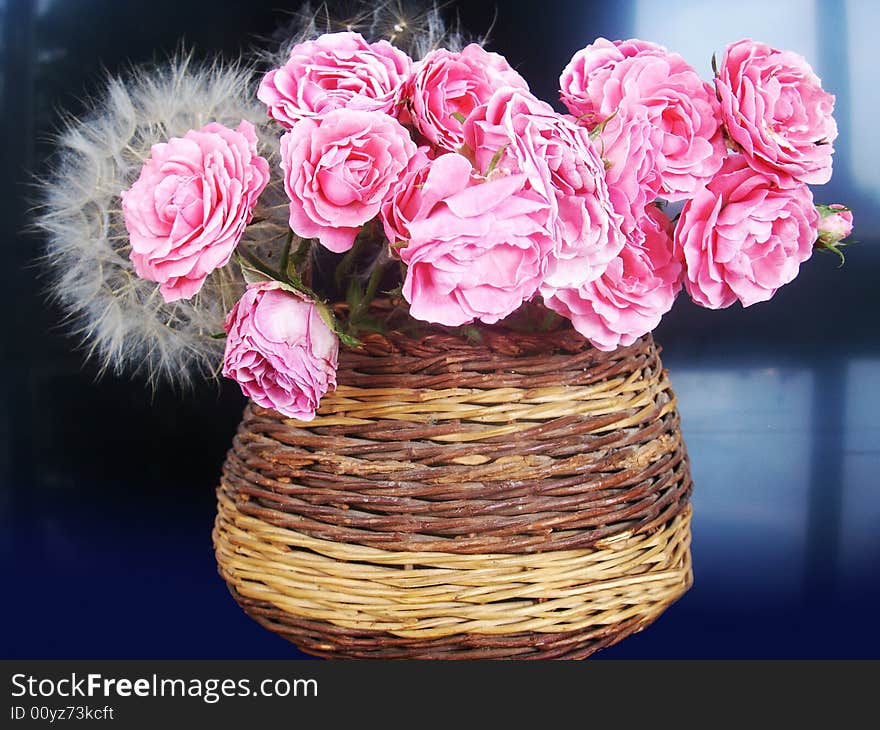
[
  {"x": 187, "y": 211},
  {"x": 478, "y": 251},
  {"x": 634, "y": 77},
  {"x": 446, "y": 86},
  {"x": 582, "y": 82},
  {"x": 337, "y": 70},
  {"x": 629, "y": 144},
  {"x": 410, "y": 198},
  {"x": 636, "y": 290},
  {"x": 774, "y": 108},
  {"x": 339, "y": 170},
  {"x": 835, "y": 223},
  {"x": 518, "y": 133},
  {"x": 279, "y": 350},
  {"x": 745, "y": 235}
]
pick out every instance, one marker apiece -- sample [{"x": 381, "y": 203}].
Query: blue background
[{"x": 106, "y": 490}]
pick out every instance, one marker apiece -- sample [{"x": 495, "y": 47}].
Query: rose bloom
[
  {"x": 408, "y": 199},
  {"x": 337, "y": 70},
  {"x": 835, "y": 223},
  {"x": 774, "y": 108},
  {"x": 446, "y": 85},
  {"x": 188, "y": 209},
  {"x": 631, "y": 77},
  {"x": 279, "y": 350},
  {"x": 745, "y": 235},
  {"x": 478, "y": 252},
  {"x": 518, "y": 133},
  {"x": 629, "y": 146},
  {"x": 636, "y": 290},
  {"x": 339, "y": 170}
]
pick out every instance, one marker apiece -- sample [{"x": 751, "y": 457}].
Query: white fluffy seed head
[
  {"x": 414, "y": 26},
  {"x": 121, "y": 318}
]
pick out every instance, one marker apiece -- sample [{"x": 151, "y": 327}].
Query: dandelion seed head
[
  {"x": 412, "y": 26},
  {"x": 123, "y": 321}
]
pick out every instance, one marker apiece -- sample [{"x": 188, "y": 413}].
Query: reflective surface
[{"x": 106, "y": 502}]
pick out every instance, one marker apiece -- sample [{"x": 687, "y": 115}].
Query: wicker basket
[{"x": 525, "y": 497}]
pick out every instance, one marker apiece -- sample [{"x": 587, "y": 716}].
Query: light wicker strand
[{"x": 429, "y": 594}]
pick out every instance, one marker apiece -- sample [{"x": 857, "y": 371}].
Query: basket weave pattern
[{"x": 524, "y": 496}]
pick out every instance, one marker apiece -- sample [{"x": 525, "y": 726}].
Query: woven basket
[{"x": 525, "y": 497}]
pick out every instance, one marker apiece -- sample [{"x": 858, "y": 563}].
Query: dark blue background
[{"x": 106, "y": 498}]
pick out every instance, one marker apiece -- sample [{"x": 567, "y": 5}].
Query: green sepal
[
  {"x": 395, "y": 293},
  {"x": 834, "y": 248},
  {"x": 348, "y": 340},
  {"x": 496, "y": 158},
  {"x": 600, "y": 127},
  {"x": 827, "y": 210}
]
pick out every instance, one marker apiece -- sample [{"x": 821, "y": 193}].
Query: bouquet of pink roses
[{"x": 442, "y": 183}]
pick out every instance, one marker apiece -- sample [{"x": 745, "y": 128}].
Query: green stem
[
  {"x": 301, "y": 253},
  {"x": 285, "y": 252},
  {"x": 348, "y": 261},
  {"x": 372, "y": 286}
]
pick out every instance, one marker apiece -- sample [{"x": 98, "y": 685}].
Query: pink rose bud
[
  {"x": 835, "y": 223},
  {"x": 187, "y": 211},
  {"x": 339, "y": 170},
  {"x": 774, "y": 108},
  {"x": 280, "y": 350},
  {"x": 745, "y": 235},
  {"x": 335, "y": 71}
]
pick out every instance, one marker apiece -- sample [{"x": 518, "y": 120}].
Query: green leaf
[
  {"x": 252, "y": 274},
  {"x": 458, "y": 117},
  {"x": 218, "y": 336},
  {"x": 257, "y": 272}
]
